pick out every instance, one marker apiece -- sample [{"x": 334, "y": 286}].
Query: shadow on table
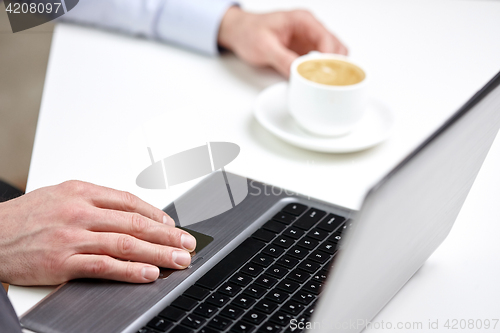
[{"x": 255, "y": 77}]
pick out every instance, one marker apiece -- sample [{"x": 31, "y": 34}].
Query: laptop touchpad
[{"x": 202, "y": 240}]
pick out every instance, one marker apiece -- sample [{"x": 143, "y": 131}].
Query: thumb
[{"x": 279, "y": 56}]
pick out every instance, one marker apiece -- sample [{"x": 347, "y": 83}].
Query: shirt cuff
[{"x": 192, "y": 23}]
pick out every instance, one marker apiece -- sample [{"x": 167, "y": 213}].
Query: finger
[
  {"x": 339, "y": 47},
  {"x": 104, "y": 197},
  {"x": 279, "y": 56},
  {"x": 318, "y": 35},
  {"x": 130, "y": 248},
  {"x": 314, "y": 32},
  {"x": 105, "y": 267},
  {"x": 134, "y": 224}
]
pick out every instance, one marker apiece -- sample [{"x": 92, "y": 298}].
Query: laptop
[{"x": 283, "y": 262}]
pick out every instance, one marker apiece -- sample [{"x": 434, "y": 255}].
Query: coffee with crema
[{"x": 331, "y": 72}]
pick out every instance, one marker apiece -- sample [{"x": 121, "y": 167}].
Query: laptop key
[
  {"x": 274, "y": 226},
  {"x": 320, "y": 276},
  {"x": 284, "y": 241},
  {"x": 207, "y": 330},
  {"x": 184, "y": 303},
  {"x": 284, "y": 217},
  {"x": 277, "y": 271},
  {"x": 255, "y": 291},
  {"x": 277, "y": 295},
  {"x": 241, "y": 279},
  {"x": 193, "y": 321},
  {"x": 299, "y": 275},
  {"x": 266, "y": 281},
  {"x": 254, "y": 317},
  {"x": 252, "y": 269},
  {"x": 319, "y": 256},
  {"x": 218, "y": 299},
  {"x": 293, "y": 232},
  {"x": 336, "y": 237},
  {"x": 328, "y": 247},
  {"x": 295, "y": 209},
  {"x": 304, "y": 297},
  {"x": 264, "y": 235},
  {"x": 172, "y": 313},
  {"x": 309, "y": 311},
  {"x": 220, "y": 323},
  {"x": 231, "y": 312},
  {"x": 229, "y": 289},
  {"x": 227, "y": 266},
  {"x": 197, "y": 292},
  {"x": 309, "y": 219},
  {"x": 243, "y": 301},
  {"x": 346, "y": 226},
  {"x": 270, "y": 327},
  {"x": 273, "y": 250},
  {"x": 181, "y": 329},
  {"x": 308, "y": 243},
  {"x": 160, "y": 324},
  {"x": 266, "y": 306},
  {"x": 313, "y": 286},
  {"x": 331, "y": 222},
  {"x": 298, "y": 252},
  {"x": 309, "y": 266},
  {"x": 288, "y": 262},
  {"x": 288, "y": 286},
  {"x": 206, "y": 310},
  {"x": 281, "y": 318},
  {"x": 292, "y": 307},
  {"x": 263, "y": 260},
  {"x": 318, "y": 234},
  {"x": 242, "y": 327}
]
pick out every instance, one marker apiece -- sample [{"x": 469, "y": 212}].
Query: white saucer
[{"x": 271, "y": 112}]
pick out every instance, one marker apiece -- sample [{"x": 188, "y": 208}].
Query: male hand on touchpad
[{"x": 202, "y": 240}]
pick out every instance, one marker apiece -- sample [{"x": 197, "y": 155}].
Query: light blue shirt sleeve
[{"x": 190, "y": 23}]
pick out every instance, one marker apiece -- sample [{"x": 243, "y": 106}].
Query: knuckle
[
  {"x": 126, "y": 245},
  {"x": 129, "y": 201},
  {"x": 130, "y": 272},
  {"x": 64, "y": 236},
  {"x": 75, "y": 186},
  {"x": 161, "y": 256},
  {"x": 74, "y": 213},
  {"x": 98, "y": 267},
  {"x": 138, "y": 224},
  {"x": 173, "y": 236}
]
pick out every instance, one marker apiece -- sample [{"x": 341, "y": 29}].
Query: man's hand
[
  {"x": 80, "y": 230},
  {"x": 275, "y": 39}
]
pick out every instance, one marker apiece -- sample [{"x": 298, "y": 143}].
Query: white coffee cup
[{"x": 322, "y": 109}]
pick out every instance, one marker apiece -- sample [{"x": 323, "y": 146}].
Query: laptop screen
[{"x": 407, "y": 215}]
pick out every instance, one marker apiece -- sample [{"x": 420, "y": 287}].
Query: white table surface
[{"x": 108, "y": 97}]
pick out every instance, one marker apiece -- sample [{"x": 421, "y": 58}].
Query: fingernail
[
  {"x": 168, "y": 220},
  {"x": 188, "y": 242},
  {"x": 181, "y": 258},
  {"x": 150, "y": 273}
]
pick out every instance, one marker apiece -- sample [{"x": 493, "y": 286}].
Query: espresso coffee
[{"x": 331, "y": 72}]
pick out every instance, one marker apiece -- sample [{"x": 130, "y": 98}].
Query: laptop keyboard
[{"x": 274, "y": 276}]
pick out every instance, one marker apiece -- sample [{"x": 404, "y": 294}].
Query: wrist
[{"x": 229, "y": 26}]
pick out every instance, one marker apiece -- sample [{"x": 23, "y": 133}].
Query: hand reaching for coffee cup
[
  {"x": 80, "y": 230},
  {"x": 275, "y": 39}
]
